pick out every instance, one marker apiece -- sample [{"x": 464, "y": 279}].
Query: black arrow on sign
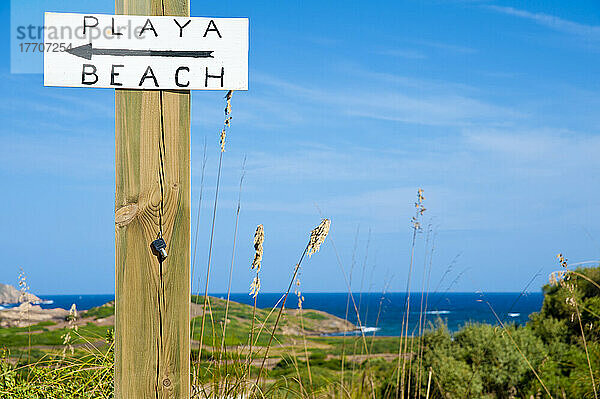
[{"x": 87, "y": 51}]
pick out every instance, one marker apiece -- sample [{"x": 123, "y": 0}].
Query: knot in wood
[{"x": 125, "y": 214}]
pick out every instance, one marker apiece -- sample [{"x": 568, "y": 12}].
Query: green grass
[
  {"x": 240, "y": 323},
  {"x": 19, "y": 337},
  {"x": 479, "y": 361},
  {"x": 315, "y": 316},
  {"x": 100, "y": 312}
]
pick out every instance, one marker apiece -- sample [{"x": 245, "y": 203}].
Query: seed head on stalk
[
  {"x": 317, "y": 236},
  {"x": 255, "y": 286},
  {"x": 298, "y": 293},
  {"x": 222, "y": 141},
  {"x": 558, "y": 278},
  {"x": 259, "y": 238},
  {"x": 227, "y": 122}
]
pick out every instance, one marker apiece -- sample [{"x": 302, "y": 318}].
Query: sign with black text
[{"x": 145, "y": 52}]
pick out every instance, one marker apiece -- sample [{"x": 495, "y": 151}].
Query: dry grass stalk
[
  {"x": 428, "y": 384},
  {"x": 196, "y": 239},
  {"x": 348, "y": 305},
  {"x": 222, "y": 139},
  {"x": 519, "y": 349},
  {"x": 227, "y": 122},
  {"x": 317, "y": 237},
  {"x": 294, "y": 358},
  {"x": 572, "y": 300},
  {"x": 416, "y": 223},
  {"x": 25, "y": 298},
  {"x": 381, "y": 299},
  {"x": 422, "y": 316},
  {"x": 298, "y": 293},
  {"x": 225, "y": 319},
  {"x": 259, "y": 239},
  {"x": 360, "y": 296},
  {"x": 255, "y": 286},
  {"x": 362, "y": 333},
  {"x": 214, "y": 216},
  {"x": 72, "y": 318}
]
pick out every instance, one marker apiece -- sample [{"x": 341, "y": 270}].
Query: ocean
[{"x": 455, "y": 309}]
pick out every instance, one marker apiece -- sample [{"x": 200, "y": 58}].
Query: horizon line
[{"x": 336, "y": 292}]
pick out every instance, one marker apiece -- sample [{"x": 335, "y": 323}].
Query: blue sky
[{"x": 490, "y": 106}]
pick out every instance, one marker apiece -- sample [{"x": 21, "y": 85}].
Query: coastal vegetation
[{"x": 556, "y": 354}]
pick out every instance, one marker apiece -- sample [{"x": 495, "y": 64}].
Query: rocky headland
[{"x": 11, "y": 295}]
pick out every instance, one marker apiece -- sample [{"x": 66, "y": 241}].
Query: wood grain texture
[{"x": 152, "y": 305}]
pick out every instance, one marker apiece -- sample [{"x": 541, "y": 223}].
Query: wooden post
[{"x": 152, "y": 326}]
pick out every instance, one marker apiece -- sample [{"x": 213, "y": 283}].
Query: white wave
[
  {"x": 366, "y": 329},
  {"x": 514, "y": 314},
  {"x": 44, "y": 302},
  {"x": 438, "y": 312}
]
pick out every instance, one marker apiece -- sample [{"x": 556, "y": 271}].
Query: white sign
[{"x": 145, "y": 52}]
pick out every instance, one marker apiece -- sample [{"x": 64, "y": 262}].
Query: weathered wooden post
[
  {"x": 152, "y": 54},
  {"x": 152, "y": 320}
]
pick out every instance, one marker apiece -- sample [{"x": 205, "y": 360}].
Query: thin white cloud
[
  {"x": 384, "y": 79},
  {"x": 425, "y": 103},
  {"x": 404, "y": 53},
  {"x": 556, "y": 23},
  {"x": 427, "y": 109},
  {"x": 453, "y": 48},
  {"x": 553, "y": 151},
  {"x": 483, "y": 179}
]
